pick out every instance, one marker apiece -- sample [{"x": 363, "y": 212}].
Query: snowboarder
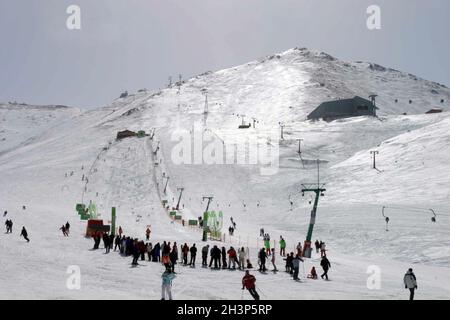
[
  {"x": 24, "y": 234},
  {"x": 262, "y": 260},
  {"x": 317, "y": 244},
  {"x": 410, "y": 282},
  {"x": 326, "y": 265},
  {"x": 147, "y": 233},
  {"x": 273, "y": 260},
  {"x": 193, "y": 252},
  {"x": 282, "y": 247},
  {"x": 205, "y": 250},
  {"x": 296, "y": 264},
  {"x": 313, "y": 274},
  {"x": 64, "y": 230},
  {"x": 249, "y": 264},
  {"x": 167, "y": 278},
  {"x": 248, "y": 282}
]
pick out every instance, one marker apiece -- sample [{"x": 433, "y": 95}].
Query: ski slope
[{"x": 46, "y": 153}]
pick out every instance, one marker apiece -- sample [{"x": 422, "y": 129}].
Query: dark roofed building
[
  {"x": 344, "y": 108},
  {"x": 434, "y": 110},
  {"x": 125, "y": 134}
]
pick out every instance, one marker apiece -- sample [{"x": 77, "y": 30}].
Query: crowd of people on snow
[{"x": 170, "y": 254}]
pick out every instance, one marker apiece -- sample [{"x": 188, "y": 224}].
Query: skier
[
  {"x": 242, "y": 257},
  {"x": 185, "y": 251},
  {"x": 273, "y": 260},
  {"x": 410, "y": 282},
  {"x": 325, "y": 264},
  {"x": 232, "y": 258},
  {"x": 24, "y": 234},
  {"x": 296, "y": 264},
  {"x": 262, "y": 259},
  {"x": 299, "y": 249},
  {"x": 282, "y": 247},
  {"x": 96, "y": 238},
  {"x": 117, "y": 243},
  {"x": 261, "y": 232},
  {"x": 106, "y": 242},
  {"x": 5, "y": 213},
  {"x": 120, "y": 231},
  {"x": 142, "y": 249},
  {"x": 167, "y": 278},
  {"x": 317, "y": 244},
  {"x": 215, "y": 257},
  {"x": 193, "y": 252},
  {"x": 205, "y": 250},
  {"x": 156, "y": 253},
  {"x": 313, "y": 274},
  {"x": 224, "y": 258},
  {"x": 8, "y": 225},
  {"x": 135, "y": 252},
  {"x": 289, "y": 259},
  {"x": 322, "y": 249},
  {"x": 248, "y": 282},
  {"x": 67, "y": 227},
  {"x": 267, "y": 246},
  {"x": 147, "y": 233},
  {"x": 173, "y": 256},
  {"x": 64, "y": 230},
  {"x": 149, "y": 250}
]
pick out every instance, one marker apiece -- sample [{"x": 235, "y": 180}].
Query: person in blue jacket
[{"x": 167, "y": 278}]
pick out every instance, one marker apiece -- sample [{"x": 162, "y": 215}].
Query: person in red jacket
[{"x": 248, "y": 282}]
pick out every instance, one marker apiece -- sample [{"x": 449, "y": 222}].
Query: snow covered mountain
[{"x": 46, "y": 152}]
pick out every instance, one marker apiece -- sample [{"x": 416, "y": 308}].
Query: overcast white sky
[{"x": 131, "y": 44}]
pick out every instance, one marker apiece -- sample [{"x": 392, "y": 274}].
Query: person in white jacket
[
  {"x": 242, "y": 256},
  {"x": 410, "y": 282}
]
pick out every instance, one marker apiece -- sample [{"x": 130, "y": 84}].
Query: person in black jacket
[
  {"x": 193, "y": 252},
  {"x": 117, "y": 242},
  {"x": 106, "y": 242},
  {"x": 262, "y": 260},
  {"x": 215, "y": 257},
  {"x": 224, "y": 258},
  {"x": 205, "y": 250},
  {"x": 326, "y": 265},
  {"x": 135, "y": 252},
  {"x": 24, "y": 234}
]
